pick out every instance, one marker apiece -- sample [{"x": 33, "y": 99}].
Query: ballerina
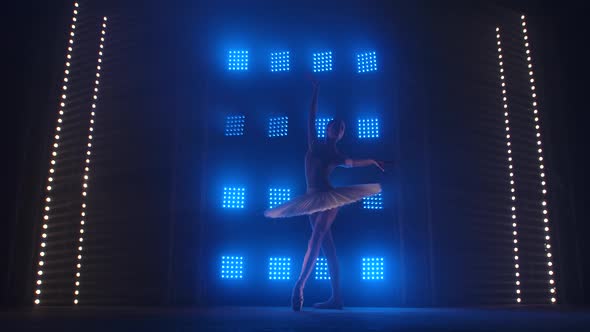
[{"x": 322, "y": 202}]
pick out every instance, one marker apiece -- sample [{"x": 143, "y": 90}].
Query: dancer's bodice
[{"x": 320, "y": 161}]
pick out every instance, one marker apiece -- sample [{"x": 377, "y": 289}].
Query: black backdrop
[{"x": 154, "y": 136}]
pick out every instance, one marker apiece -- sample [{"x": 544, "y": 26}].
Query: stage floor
[{"x": 275, "y": 319}]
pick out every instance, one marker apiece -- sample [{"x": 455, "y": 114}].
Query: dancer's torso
[{"x": 320, "y": 161}]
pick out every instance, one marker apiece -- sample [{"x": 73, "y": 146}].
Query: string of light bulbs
[
  {"x": 86, "y": 173},
  {"x": 54, "y": 156},
  {"x": 510, "y": 166},
  {"x": 542, "y": 176}
]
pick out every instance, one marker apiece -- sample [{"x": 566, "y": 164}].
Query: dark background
[{"x": 34, "y": 39}]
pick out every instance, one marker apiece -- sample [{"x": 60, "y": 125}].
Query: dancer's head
[{"x": 335, "y": 129}]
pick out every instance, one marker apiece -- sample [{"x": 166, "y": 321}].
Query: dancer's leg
[
  {"x": 323, "y": 221},
  {"x": 329, "y": 250},
  {"x": 335, "y": 301},
  {"x": 313, "y": 247}
]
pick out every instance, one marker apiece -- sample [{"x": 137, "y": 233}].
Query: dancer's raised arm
[{"x": 311, "y": 129}]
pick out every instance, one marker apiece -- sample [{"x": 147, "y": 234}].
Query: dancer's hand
[
  {"x": 314, "y": 82},
  {"x": 379, "y": 164}
]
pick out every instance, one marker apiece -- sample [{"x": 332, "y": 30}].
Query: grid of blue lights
[
  {"x": 279, "y": 61},
  {"x": 234, "y": 198},
  {"x": 321, "y": 269},
  {"x": 234, "y": 125},
  {"x": 372, "y": 268},
  {"x": 238, "y": 60},
  {"x": 322, "y": 62},
  {"x": 368, "y": 128},
  {"x": 366, "y": 62},
  {"x": 232, "y": 267},
  {"x": 278, "y": 126},
  {"x": 320, "y": 125},
  {"x": 277, "y": 196},
  {"x": 374, "y": 202},
  {"x": 279, "y": 268}
]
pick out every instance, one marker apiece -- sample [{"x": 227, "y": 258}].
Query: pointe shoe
[
  {"x": 297, "y": 299},
  {"x": 330, "y": 304}
]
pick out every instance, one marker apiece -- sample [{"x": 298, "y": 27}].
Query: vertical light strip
[
  {"x": 510, "y": 167},
  {"x": 54, "y": 154},
  {"x": 87, "y": 160},
  {"x": 543, "y": 203}
]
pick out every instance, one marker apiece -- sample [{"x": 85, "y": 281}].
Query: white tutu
[{"x": 317, "y": 201}]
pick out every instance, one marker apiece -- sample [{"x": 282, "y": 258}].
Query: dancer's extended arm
[{"x": 363, "y": 163}]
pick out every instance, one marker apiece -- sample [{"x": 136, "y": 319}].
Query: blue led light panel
[
  {"x": 321, "y": 269},
  {"x": 279, "y": 61},
  {"x": 279, "y": 268},
  {"x": 278, "y": 126},
  {"x": 368, "y": 128},
  {"x": 374, "y": 202},
  {"x": 237, "y": 60},
  {"x": 320, "y": 125},
  {"x": 322, "y": 62},
  {"x": 366, "y": 62},
  {"x": 234, "y": 125},
  {"x": 277, "y": 196},
  {"x": 372, "y": 268},
  {"x": 234, "y": 198},
  {"x": 232, "y": 267}
]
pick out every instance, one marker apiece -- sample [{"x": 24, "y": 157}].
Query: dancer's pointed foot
[
  {"x": 297, "y": 298},
  {"x": 332, "y": 303}
]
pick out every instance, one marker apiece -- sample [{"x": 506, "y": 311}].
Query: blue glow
[
  {"x": 277, "y": 196},
  {"x": 279, "y": 61},
  {"x": 372, "y": 268},
  {"x": 322, "y": 61},
  {"x": 321, "y": 269},
  {"x": 320, "y": 125},
  {"x": 279, "y": 268},
  {"x": 374, "y": 202},
  {"x": 366, "y": 62},
  {"x": 232, "y": 267},
  {"x": 368, "y": 128},
  {"x": 238, "y": 60},
  {"x": 278, "y": 126},
  {"x": 234, "y": 125},
  {"x": 234, "y": 198}
]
